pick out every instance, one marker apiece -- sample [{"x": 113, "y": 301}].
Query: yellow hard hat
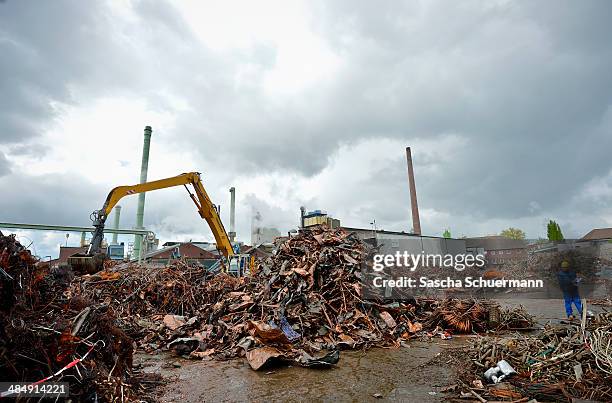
[{"x": 565, "y": 264}]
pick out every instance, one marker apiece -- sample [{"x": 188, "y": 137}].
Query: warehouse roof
[{"x": 598, "y": 233}]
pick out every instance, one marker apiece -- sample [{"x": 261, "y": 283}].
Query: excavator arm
[{"x": 206, "y": 209}]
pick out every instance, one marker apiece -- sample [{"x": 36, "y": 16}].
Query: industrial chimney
[
  {"x": 144, "y": 167},
  {"x": 116, "y": 222},
  {"x": 232, "y": 233},
  {"x": 416, "y": 222},
  {"x": 302, "y": 214}
]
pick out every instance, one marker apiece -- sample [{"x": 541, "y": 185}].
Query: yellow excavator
[{"x": 93, "y": 260}]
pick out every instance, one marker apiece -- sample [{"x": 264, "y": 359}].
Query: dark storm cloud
[
  {"x": 524, "y": 85},
  {"x": 61, "y": 52},
  {"x": 528, "y": 90},
  {"x": 48, "y": 49},
  {"x": 37, "y": 41},
  {"x": 49, "y": 199}
]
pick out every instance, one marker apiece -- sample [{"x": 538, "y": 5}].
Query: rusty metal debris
[
  {"x": 462, "y": 315},
  {"x": 474, "y": 316},
  {"x": 302, "y": 301},
  {"x": 261, "y": 356},
  {"x": 558, "y": 363},
  {"x": 601, "y": 301},
  {"x": 301, "y": 307},
  {"x": 48, "y": 334},
  {"x": 303, "y": 304}
]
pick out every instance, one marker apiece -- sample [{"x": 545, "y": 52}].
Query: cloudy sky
[{"x": 507, "y": 106}]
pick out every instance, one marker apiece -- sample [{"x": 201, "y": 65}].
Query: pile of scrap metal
[
  {"x": 140, "y": 295},
  {"x": 47, "y": 335},
  {"x": 560, "y": 363},
  {"x": 600, "y": 301},
  {"x": 303, "y": 304},
  {"x": 475, "y": 316}
]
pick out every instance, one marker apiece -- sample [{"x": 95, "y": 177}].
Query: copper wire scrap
[{"x": 48, "y": 334}]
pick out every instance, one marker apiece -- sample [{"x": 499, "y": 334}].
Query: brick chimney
[{"x": 416, "y": 222}]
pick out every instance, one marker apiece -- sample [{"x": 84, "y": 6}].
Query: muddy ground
[
  {"x": 402, "y": 374},
  {"x": 414, "y": 373}
]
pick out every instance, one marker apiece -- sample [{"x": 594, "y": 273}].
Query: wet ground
[
  {"x": 411, "y": 374},
  {"x": 401, "y": 374}
]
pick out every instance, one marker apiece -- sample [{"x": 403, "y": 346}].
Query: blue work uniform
[{"x": 569, "y": 287}]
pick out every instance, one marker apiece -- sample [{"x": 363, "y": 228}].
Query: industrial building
[
  {"x": 318, "y": 217},
  {"x": 190, "y": 252},
  {"x": 498, "y": 249}
]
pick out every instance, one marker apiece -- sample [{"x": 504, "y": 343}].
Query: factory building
[{"x": 318, "y": 217}]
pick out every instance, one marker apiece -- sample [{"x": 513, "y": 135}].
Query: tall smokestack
[
  {"x": 416, "y": 222},
  {"x": 302, "y": 214},
  {"x": 116, "y": 222},
  {"x": 232, "y": 233},
  {"x": 144, "y": 167}
]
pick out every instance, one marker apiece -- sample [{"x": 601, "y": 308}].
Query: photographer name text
[{"x": 467, "y": 282}]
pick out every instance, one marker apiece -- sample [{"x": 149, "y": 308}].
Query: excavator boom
[{"x": 205, "y": 206}]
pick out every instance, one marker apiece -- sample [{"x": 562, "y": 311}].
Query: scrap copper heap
[
  {"x": 43, "y": 330},
  {"x": 302, "y": 305}
]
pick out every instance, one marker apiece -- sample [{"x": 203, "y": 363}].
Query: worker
[{"x": 569, "y": 286}]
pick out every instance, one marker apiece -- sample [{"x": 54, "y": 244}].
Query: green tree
[
  {"x": 559, "y": 233},
  {"x": 550, "y": 230},
  {"x": 513, "y": 233},
  {"x": 447, "y": 233},
  {"x": 553, "y": 231}
]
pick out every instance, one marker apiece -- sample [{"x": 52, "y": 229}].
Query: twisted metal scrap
[
  {"x": 600, "y": 342},
  {"x": 556, "y": 364}
]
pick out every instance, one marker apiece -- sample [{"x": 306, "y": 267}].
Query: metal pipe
[
  {"x": 232, "y": 233},
  {"x": 141, "y": 247},
  {"x": 416, "y": 222},
  {"x": 144, "y": 168},
  {"x": 116, "y": 222},
  {"x": 70, "y": 228}
]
